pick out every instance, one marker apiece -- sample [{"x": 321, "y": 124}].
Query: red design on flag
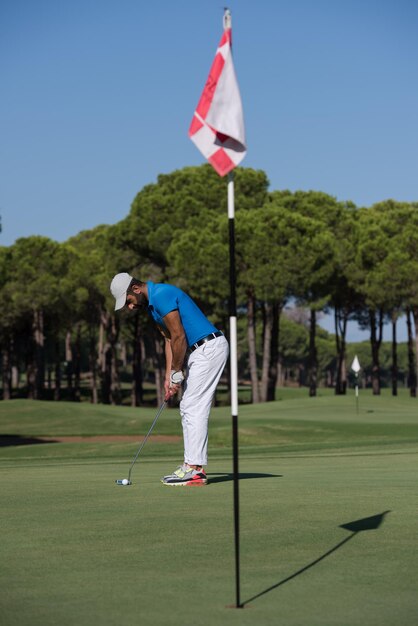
[{"x": 217, "y": 126}]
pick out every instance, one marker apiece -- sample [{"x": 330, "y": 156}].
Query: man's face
[{"x": 135, "y": 299}]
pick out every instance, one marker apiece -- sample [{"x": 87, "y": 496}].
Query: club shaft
[{"x": 160, "y": 410}]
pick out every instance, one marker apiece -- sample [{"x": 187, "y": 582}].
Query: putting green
[{"x": 78, "y": 549}]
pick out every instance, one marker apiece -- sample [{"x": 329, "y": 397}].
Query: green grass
[{"x": 78, "y": 550}]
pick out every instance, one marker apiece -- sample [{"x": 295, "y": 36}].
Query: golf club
[{"x": 127, "y": 481}]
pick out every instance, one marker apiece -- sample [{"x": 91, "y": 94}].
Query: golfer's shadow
[
  {"x": 367, "y": 523},
  {"x": 218, "y": 477}
]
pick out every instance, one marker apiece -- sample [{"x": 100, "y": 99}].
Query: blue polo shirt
[{"x": 163, "y": 299}]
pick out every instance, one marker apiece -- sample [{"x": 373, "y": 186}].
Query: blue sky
[{"x": 97, "y": 97}]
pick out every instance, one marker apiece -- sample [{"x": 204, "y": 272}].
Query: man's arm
[
  {"x": 175, "y": 351},
  {"x": 168, "y": 362},
  {"x": 177, "y": 339}
]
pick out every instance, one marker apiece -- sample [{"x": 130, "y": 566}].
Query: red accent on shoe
[{"x": 197, "y": 480}]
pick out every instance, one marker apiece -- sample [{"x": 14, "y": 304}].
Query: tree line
[{"x": 58, "y": 330}]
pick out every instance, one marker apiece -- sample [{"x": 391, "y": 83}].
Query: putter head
[{"x": 123, "y": 481}]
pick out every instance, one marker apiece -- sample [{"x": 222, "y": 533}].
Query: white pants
[{"x": 204, "y": 368}]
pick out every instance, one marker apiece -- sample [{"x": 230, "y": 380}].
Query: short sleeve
[{"x": 165, "y": 300}]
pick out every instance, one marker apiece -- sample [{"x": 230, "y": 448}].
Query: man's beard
[{"x": 141, "y": 300}]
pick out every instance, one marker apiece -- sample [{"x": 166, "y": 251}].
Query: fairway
[{"x": 79, "y": 550}]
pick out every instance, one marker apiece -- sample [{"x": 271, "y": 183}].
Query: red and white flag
[{"x": 217, "y": 127}]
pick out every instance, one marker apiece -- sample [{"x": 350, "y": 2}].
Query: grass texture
[{"x": 77, "y": 549}]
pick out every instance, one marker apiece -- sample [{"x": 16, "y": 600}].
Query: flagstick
[
  {"x": 218, "y": 117},
  {"x": 357, "y": 392},
  {"x": 355, "y": 366},
  {"x": 234, "y": 376}
]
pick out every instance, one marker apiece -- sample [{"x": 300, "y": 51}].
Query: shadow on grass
[
  {"x": 17, "y": 440},
  {"x": 367, "y": 523},
  {"x": 221, "y": 478}
]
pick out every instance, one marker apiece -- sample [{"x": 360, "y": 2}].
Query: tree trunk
[
  {"x": 344, "y": 375},
  {"x": 115, "y": 392},
  {"x": 69, "y": 362},
  {"x": 412, "y": 374},
  {"x": 137, "y": 378},
  {"x": 267, "y": 337},
  {"x": 15, "y": 377},
  {"x": 57, "y": 386},
  {"x": 124, "y": 354},
  {"x": 340, "y": 319},
  {"x": 39, "y": 338},
  {"x": 280, "y": 373},
  {"x": 375, "y": 341},
  {"x": 301, "y": 374},
  {"x": 394, "y": 356},
  {"x": 105, "y": 359},
  {"x": 274, "y": 352},
  {"x": 106, "y": 374},
  {"x": 77, "y": 364},
  {"x": 313, "y": 356},
  {"x": 93, "y": 357},
  {"x": 415, "y": 316},
  {"x": 6, "y": 370},
  {"x": 109, "y": 374},
  {"x": 252, "y": 347},
  {"x": 31, "y": 378}
]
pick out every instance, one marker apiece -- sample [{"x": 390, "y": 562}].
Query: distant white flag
[
  {"x": 355, "y": 366},
  {"x": 217, "y": 127}
]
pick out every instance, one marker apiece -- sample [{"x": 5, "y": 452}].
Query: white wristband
[{"x": 176, "y": 377}]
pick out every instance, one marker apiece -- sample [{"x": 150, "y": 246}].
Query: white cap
[{"x": 119, "y": 287}]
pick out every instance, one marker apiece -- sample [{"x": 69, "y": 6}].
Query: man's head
[
  {"x": 128, "y": 291},
  {"x": 119, "y": 288}
]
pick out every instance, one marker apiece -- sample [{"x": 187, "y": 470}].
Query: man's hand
[
  {"x": 172, "y": 383},
  {"x": 170, "y": 389}
]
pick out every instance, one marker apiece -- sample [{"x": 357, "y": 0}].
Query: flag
[
  {"x": 355, "y": 366},
  {"x": 217, "y": 126}
]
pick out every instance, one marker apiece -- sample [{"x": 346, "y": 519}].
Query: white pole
[
  {"x": 233, "y": 318},
  {"x": 231, "y": 194},
  {"x": 234, "y": 365},
  {"x": 357, "y": 394},
  {"x": 355, "y": 366}
]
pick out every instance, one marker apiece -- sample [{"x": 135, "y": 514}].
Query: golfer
[{"x": 195, "y": 352}]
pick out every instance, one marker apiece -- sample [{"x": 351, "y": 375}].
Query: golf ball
[{"x": 125, "y": 481}]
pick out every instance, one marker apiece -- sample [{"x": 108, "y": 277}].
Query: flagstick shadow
[
  {"x": 221, "y": 478},
  {"x": 368, "y": 523}
]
